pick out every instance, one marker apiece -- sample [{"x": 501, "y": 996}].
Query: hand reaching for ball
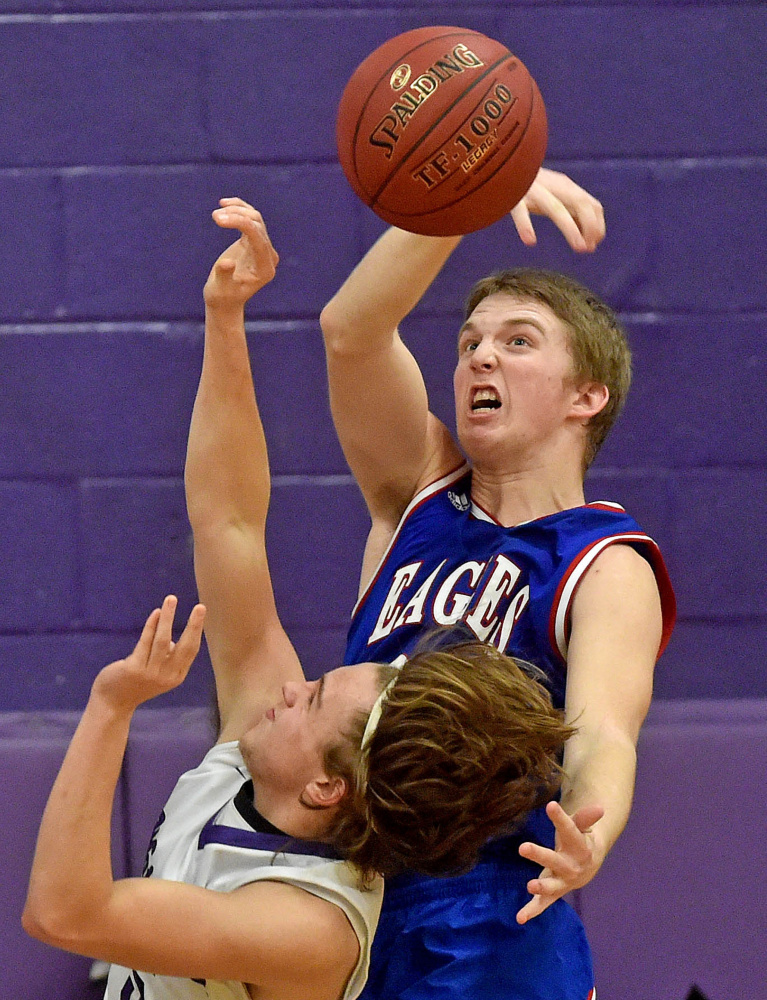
[
  {"x": 576, "y": 214},
  {"x": 247, "y": 265}
]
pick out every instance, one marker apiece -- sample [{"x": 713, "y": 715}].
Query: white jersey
[{"x": 206, "y": 836}]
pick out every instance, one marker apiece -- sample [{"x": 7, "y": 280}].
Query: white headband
[{"x": 375, "y": 714}]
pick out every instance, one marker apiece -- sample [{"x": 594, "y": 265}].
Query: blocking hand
[
  {"x": 247, "y": 265},
  {"x": 157, "y": 664},
  {"x": 575, "y": 860},
  {"x": 577, "y": 214}
]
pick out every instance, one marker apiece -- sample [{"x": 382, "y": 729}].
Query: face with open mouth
[{"x": 513, "y": 381}]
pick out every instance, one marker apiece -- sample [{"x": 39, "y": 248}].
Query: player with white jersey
[
  {"x": 262, "y": 877},
  {"x": 509, "y": 547},
  {"x": 233, "y": 847}
]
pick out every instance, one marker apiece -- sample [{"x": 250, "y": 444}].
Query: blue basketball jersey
[{"x": 450, "y": 562}]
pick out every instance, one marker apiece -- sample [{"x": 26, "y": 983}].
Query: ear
[
  {"x": 590, "y": 398},
  {"x": 323, "y": 793}
]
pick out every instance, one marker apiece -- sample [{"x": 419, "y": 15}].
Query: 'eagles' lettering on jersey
[
  {"x": 483, "y": 595},
  {"x": 449, "y": 562}
]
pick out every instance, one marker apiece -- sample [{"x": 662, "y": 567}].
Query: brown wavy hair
[
  {"x": 467, "y": 745},
  {"x": 596, "y": 339}
]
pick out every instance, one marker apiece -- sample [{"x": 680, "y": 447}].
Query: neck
[
  {"x": 511, "y": 497},
  {"x": 295, "y": 819}
]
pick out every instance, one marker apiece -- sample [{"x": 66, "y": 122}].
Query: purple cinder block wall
[{"x": 122, "y": 122}]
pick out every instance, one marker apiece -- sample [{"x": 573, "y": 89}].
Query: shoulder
[
  {"x": 617, "y": 574},
  {"x": 618, "y": 600},
  {"x": 311, "y": 938}
]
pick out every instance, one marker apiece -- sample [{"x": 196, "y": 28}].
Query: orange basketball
[{"x": 441, "y": 131}]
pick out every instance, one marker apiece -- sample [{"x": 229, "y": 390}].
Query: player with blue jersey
[{"x": 508, "y": 546}]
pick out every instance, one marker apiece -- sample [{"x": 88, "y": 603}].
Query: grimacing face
[
  {"x": 284, "y": 750},
  {"x": 514, "y": 378}
]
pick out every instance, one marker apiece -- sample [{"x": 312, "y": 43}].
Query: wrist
[
  {"x": 223, "y": 309},
  {"x": 109, "y": 706}
]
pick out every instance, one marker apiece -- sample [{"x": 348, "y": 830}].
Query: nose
[
  {"x": 483, "y": 356},
  {"x": 290, "y": 693}
]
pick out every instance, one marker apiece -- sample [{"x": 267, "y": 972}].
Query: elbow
[
  {"x": 32, "y": 924},
  {"x": 38, "y": 923},
  {"x": 333, "y": 328},
  {"x": 54, "y": 926}
]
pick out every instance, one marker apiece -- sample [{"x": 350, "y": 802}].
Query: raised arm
[
  {"x": 616, "y": 634},
  {"x": 283, "y": 940},
  {"x": 228, "y": 486},
  {"x": 377, "y": 394}
]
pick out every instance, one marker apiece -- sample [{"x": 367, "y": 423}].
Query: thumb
[{"x": 587, "y": 816}]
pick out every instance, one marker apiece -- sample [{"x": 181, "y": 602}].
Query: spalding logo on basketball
[{"x": 441, "y": 131}]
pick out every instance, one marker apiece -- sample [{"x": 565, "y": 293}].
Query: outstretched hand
[
  {"x": 575, "y": 860},
  {"x": 247, "y": 265},
  {"x": 157, "y": 664},
  {"x": 577, "y": 214}
]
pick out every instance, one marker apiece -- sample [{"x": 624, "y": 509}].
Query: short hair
[
  {"x": 468, "y": 743},
  {"x": 596, "y": 339}
]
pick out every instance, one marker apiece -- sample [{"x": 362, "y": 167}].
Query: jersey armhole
[
  {"x": 421, "y": 497},
  {"x": 559, "y": 620}
]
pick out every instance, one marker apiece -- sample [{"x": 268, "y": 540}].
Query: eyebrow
[
  {"x": 469, "y": 327},
  {"x": 320, "y": 689}
]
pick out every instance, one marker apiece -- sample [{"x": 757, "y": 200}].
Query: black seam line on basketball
[
  {"x": 459, "y": 33},
  {"x": 427, "y": 133},
  {"x": 435, "y": 211}
]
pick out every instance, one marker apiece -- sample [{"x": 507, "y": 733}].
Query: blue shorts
[{"x": 458, "y": 939}]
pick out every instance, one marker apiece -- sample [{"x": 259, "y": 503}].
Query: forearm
[
  {"x": 601, "y": 771},
  {"x": 384, "y": 287},
  {"x": 226, "y": 474},
  {"x": 71, "y": 876}
]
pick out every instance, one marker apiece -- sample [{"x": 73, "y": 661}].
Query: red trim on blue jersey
[{"x": 655, "y": 559}]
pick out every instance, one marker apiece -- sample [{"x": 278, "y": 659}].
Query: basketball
[{"x": 441, "y": 131}]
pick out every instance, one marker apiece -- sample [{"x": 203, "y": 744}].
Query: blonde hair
[
  {"x": 596, "y": 340},
  {"x": 468, "y": 743}
]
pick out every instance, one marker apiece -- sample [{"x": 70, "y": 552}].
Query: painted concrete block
[
  {"x": 136, "y": 548},
  {"x": 319, "y": 649},
  {"x": 315, "y": 537},
  {"x": 37, "y": 555},
  {"x": 709, "y": 395},
  {"x": 54, "y": 672},
  {"x": 298, "y": 63},
  {"x": 32, "y": 747},
  {"x": 719, "y": 543},
  {"x": 98, "y": 400},
  {"x": 657, "y": 914},
  {"x": 710, "y": 255},
  {"x": 714, "y": 660},
  {"x": 31, "y": 264},
  {"x": 100, "y": 90},
  {"x": 288, "y": 363},
  {"x": 159, "y": 263},
  {"x": 645, "y": 80}
]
